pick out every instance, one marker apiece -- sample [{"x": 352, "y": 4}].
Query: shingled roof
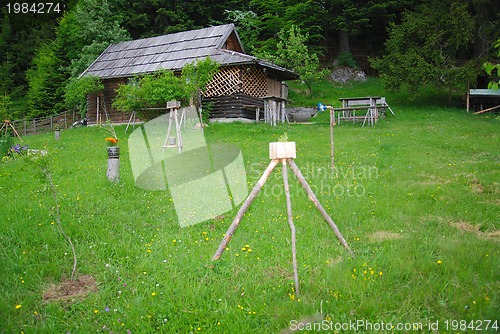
[{"x": 173, "y": 51}]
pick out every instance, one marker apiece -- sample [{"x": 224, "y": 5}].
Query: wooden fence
[{"x": 46, "y": 124}]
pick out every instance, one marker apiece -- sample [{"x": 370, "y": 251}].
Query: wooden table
[{"x": 368, "y": 103}]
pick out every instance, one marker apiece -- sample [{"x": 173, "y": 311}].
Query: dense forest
[{"x": 407, "y": 41}]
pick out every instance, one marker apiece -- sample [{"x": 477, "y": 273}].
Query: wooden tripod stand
[
  {"x": 6, "y": 125},
  {"x": 171, "y": 141},
  {"x": 283, "y": 152}
]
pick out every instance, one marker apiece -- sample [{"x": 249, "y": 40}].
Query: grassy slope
[{"x": 417, "y": 188}]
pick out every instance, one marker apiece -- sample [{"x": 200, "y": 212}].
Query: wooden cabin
[{"x": 237, "y": 90}]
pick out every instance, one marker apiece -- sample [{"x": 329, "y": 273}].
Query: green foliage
[
  {"x": 151, "y": 90},
  {"x": 248, "y": 29},
  {"x": 5, "y": 144},
  {"x": 292, "y": 53},
  {"x": 83, "y": 33},
  {"x": 269, "y": 18},
  {"x": 418, "y": 54},
  {"x": 493, "y": 69},
  {"x": 156, "y": 89},
  {"x": 128, "y": 96},
  {"x": 196, "y": 76},
  {"x": 45, "y": 81},
  {"x": 97, "y": 27},
  {"x": 5, "y": 104},
  {"x": 206, "y": 110},
  {"x": 346, "y": 59},
  {"x": 77, "y": 91},
  {"x": 160, "y": 87}
]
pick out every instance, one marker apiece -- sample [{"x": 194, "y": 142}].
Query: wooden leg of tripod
[
  {"x": 237, "y": 219},
  {"x": 292, "y": 226},
  {"x": 318, "y": 205},
  {"x": 14, "y": 129}
]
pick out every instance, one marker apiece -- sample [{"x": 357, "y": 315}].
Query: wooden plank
[{"x": 486, "y": 110}]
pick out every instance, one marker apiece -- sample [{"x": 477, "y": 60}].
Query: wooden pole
[
  {"x": 237, "y": 219},
  {"x": 468, "y": 96},
  {"x": 318, "y": 205},
  {"x": 332, "y": 143},
  {"x": 97, "y": 110},
  {"x": 168, "y": 129},
  {"x": 292, "y": 226},
  {"x": 485, "y": 110},
  {"x": 178, "y": 132}
]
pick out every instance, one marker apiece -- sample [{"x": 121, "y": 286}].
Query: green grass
[{"x": 419, "y": 187}]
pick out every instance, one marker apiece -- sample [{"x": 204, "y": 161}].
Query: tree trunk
[{"x": 344, "y": 41}]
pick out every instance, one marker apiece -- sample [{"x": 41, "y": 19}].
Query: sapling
[{"x": 42, "y": 162}]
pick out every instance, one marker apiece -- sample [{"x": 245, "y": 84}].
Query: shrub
[{"x": 346, "y": 59}]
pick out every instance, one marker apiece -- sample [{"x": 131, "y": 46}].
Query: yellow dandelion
[
  {"x": 153, "y": 294},
  {"x": 18, "y": 306},
  {"x": 96, "y": 311},
  {"x": 439, "y": 262}
]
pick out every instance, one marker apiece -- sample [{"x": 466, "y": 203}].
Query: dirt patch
[
  {"x": 475, "y": 186},
  {"x": 380, "y": 236},
  {"x": 69, "y": 289},
  {"x": 476, "y": 229},
  {"x": 432, "y": 180},
  {"x": 335, "y": 261}
]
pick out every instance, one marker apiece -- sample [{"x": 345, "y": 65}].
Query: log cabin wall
[
  {"x": 106, "y": 104},
  {"x": 238, "y": 105}
]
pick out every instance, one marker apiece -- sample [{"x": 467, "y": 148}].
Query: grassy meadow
[{"x": 416, "y": 197}]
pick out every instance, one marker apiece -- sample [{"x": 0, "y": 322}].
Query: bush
[
  {"x": 5, "y": 144},
  {"x": 346, "y": 59}
]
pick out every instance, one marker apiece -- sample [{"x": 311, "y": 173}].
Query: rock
[{"x": 345, "y": 74}]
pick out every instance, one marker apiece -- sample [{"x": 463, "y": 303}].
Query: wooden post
[
  {"x": 292, "y": 226},
  {"x": 468, "y": 96},
  {"x": 332, "y": 143},
  {"x": 97, "y": 115},
  {"x": 237, "y": 219}
]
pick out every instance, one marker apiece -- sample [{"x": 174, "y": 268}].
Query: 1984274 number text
[{"x": 34, "y": 8}]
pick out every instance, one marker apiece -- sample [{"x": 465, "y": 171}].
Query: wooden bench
[{"x": 374, "y": 106}]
